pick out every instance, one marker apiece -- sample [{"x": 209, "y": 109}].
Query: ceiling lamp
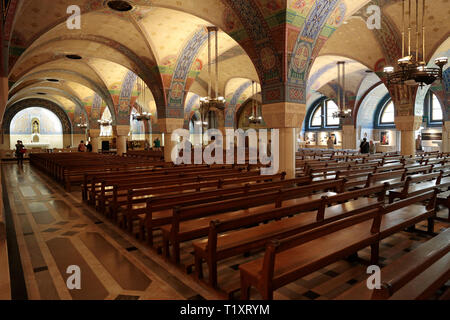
[
  {"x": 254, "y": 118},
  {"x": 343, "y": 112},
  {"x": 83, "y": 124},
  {"x": 412, "y": 70},
  {"x": 105, "y": 123},
  {"x": 121, "y": 6},
  {"x": 142, "y": 116},
  {"x": 73, "y": 57},
  {"x": 206, "y": 103}
]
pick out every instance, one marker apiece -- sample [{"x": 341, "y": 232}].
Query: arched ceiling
[{"x": 153, "y": 39}]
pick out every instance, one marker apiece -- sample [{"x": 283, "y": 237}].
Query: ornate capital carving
[
  {"x": 284, "y": 114},
  {"x": 169, "y": 125},
  {"x": 122, "y": 130},
  {"x": 408, "y": 123}
]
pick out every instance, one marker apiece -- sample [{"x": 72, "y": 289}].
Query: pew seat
[{"x": 416, "y": 275}]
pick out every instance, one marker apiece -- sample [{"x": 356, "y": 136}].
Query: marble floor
[{"x": 54, "y": 230}]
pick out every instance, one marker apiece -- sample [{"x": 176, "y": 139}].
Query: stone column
[
  {"x": 408, "y": 125},
  {"x": 348, "y": 137},
  {"x": 168, "y": 126},
  {"x": 122, "y": 132},
  {"x": 95, "y": 139},
  {"x": 286, "y": 117},
  {"x": 446, "y": 137}
]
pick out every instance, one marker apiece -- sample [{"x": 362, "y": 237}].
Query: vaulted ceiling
[{"x": 164, "y": 41}]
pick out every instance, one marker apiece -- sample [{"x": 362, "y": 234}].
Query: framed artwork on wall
[{"x": 384, "y": 138}]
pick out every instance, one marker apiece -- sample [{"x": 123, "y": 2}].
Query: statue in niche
[{"x": 35, "y": 127}]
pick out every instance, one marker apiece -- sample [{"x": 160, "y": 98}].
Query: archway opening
[{"x": 37, "y": 128}]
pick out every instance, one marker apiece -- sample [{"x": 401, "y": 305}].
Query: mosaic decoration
[
  {"x": 404, "y": 97},
  {"x": 123, "y": 110},
  {"x": 387, "y": 36},
  {"x": 268, "y": 61},
  {"x": 317, "y": 18},
  {"x": 302, "y": 56},
  {"x": 231, "y": 108},
  {"x": 186, "y": 61},
  {"x": 95, "y": 111}
]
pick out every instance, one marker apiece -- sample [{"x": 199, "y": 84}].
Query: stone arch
[{"x": 43, "y": 103}]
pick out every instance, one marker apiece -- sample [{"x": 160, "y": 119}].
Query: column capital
[
  {"x": 122, "y": 130},
  {"x": 408, "y": 123},
  {"x": 169, "y": 125},
  {"x": 404, "y": 98},
  {"x": 284, "y": 114},
  {"x": 94, "y": 133}
]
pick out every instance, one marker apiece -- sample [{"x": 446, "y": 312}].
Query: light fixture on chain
[
  {"x": 254, "y": 118},
  {"x": 343, "y": 112},
  {"x": 143, "y": 115},
  {"x": 206, "y": 103},
  {"x": 412, "y": 69}
]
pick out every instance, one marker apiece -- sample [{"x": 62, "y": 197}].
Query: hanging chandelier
[
  {"x": 254, "y": 118},
  {"x": 142, "y": 116},
  {"x": 343, "y": 112},
  {"x": 82, "y": 124},
  {"x": 412, "y": 70},
  {"x": 206, "y": 103},
  {"x": 105, "y": 123}
]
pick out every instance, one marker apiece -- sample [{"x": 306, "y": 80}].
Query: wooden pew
[
  {"x": 137, "y": 200},
  {"x": 415, "y": 185},
  {"x": 159, "y": 210},
  {"x": 187, "y": 225},
  {"x": 233, "y": 242},
  {"x": 292, "y": 258},
  {"x": 415, "y": 276},
  {"x": 443, "y": 198},
  {"x": 395, "y": 178},
  {"x": 295, "y": 257}
]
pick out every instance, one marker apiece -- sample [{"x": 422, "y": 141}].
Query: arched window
[
  {"x": 435, "y": 109},
  {"x": 322, "y": 115},
  {"x": 106, "y": 131},
  {"x": 331, "y": 108},
  {"x": 316, "y": 119},
  {"x": 387, "y": 115}
]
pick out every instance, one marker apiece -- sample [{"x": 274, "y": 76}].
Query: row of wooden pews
[
  {"x": 69, "y": 168},
  {"x": 197, "y": 215}
]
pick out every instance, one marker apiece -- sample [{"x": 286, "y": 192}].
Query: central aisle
[{"x": 55, "y": 230}]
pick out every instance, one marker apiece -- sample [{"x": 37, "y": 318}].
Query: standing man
[
  {"x": 157, "y": 143},
  {"x": 81, "y": 147},
  {"x": 20, "y": 150},
  {"x": 330, "y": 143},
  {"x": 364, "y": 146},
  {"x": 419, "y": 143},
  {"x": 89, "y": 147}
]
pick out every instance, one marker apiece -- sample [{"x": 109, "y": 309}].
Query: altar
[{"x": 37, "y": 145}]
